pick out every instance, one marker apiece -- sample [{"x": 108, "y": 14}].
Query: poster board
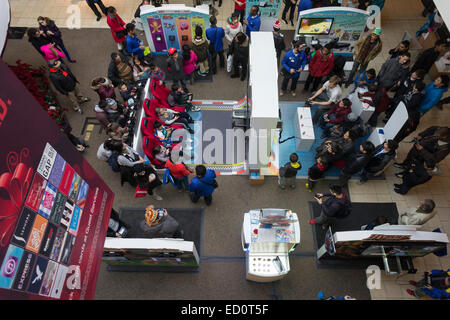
[
  {"x": 269, "y": 12},
  {"x": 347, "y": 25},
  {"x": 5, "y": 16},
  {"x": 172, "y": 25},
  {"x": 55, "y": 207}
]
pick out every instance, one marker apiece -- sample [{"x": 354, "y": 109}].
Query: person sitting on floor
[
  {"x": 418, "y": 215},
  {"x": 383, "y": 155},
  {"x": 378, "y": 221},
  {"x": 337, "y": 205},
  {"x": 169, "y": 117},
  {"x": 315, "y": 173},
  {"x": 115, "y": 131},
  {"x": 352, "y": 122},
  {"x": 334, "y": 116},
  {"x": 178, "y": 98}
]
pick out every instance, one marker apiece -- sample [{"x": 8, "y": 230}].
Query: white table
[
  {"x": 358, "y": 108},
  {"x": 304, "y": 129}
]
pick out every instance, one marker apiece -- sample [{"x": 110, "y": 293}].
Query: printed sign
[
  {"x": 37, "y": 232},
  {"x": 74, "y": 188},
  {"x": 49, "y": 278},
  {"x": 38, "y": 275},
  {"x": 24, "y": 272},
  {"x": 66, "y": 181},
  {"x": 58, "y": 208},
  {"x": 59, "y": 281},
  {"x": 57, "y": 171},
  {"x": 45, "y": 209},
  {"x": 82, "y": 194},
  {"x": 47, "y": 240},
  {"x": 57, "y": 244},
  {"x": 36, "y": 192},
  {"x": 10, "y": 265},
  {"x": 47, "y": 161},
  {"x": 73, "y": 228},
  {"x": 67, "y": 214},
  {"x": 23, "y": 227},
  {"x": 69, "y": 241}
]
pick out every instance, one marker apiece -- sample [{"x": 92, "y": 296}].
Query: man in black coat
[
  {"x": 426, "y": 60},
  {"x": 382, "y": 156},
  {"x": 120, "y": 70},
  {"x": 239, "y": 49},
  {"x": 66, "y": 83},
  {"x": 417, "y": 174},
  {"x": 356, "y": 162}
]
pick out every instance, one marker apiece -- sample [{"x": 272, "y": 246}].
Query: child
[
  {"x": 189, "y": 62},
  {"x": 288, "y": 172},
  {"x": 127, "y": 91},
  {"x": 363, "y": 80},
  {"x": 180, "y": 173},
  {"x": 200, "y": 48},
  {"x": 161, "y": 153},
  {"x": 169, "y": 117},
  {"x": 315, "y": 173},
  {"x": 116, "y": 132},
  {"x": 177, "y": 97},
  {"x": 157, "y": 74}
]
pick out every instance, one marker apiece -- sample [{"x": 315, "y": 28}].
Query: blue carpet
[{"x": 307, "y": 159}]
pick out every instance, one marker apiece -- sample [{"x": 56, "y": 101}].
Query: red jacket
[
  {"x": 240, "y": 7},
  {"x": 116, "y": 25},
  {"x": 177, "y": 170},
  {"x": 339, "y": 112},
  {"x": 320, "y": 65}
]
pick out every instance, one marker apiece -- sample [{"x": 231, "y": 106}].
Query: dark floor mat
[
  {"x": 16, "y": 33},
  {"x": 362, "y": 213}
]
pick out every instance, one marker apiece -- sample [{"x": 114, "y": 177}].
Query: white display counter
[
  {"x": 304, "y": 129},
  {"x": 359, "y": 109}
]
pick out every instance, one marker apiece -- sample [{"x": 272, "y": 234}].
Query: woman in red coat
[
  {"x": 320, "y": 66},
  {"x": 116, "y": 24}
]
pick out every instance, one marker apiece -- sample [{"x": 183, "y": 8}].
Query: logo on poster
[
  {"x": 4, "y": 109},
  {"x": 10, "y": 267}
]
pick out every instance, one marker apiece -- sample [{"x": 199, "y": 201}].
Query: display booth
[
  {"x": 55, "y": 208},
  {"x": 172, "y": 25},
  {"x": 269, "y": 11},
  {"x": 268, "y": 236}
]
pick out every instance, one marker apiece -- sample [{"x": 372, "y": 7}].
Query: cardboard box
[{"x": 256, "y": 177}]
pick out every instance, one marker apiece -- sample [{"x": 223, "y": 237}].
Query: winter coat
[
  {"x": 49, "y": 55},
  {"x": 177, "y": 170},
  {"x": 254, "y": 24},
  {"x": 419, "y": 175},
  {"x": 432, "y": 97},
  {"x": 292, "y": 61},
  {"x": 432, "y": 149},
  {"x": 391, "y": 72},
  {"x": 56, "y": 37},
  {"x": 113, "y": 72},
  {"x": 371, "y": 55},
  {"x": 165, "y": 228},
  {"x": 413, "y": 216},
  {"x": 239, "y": 51},
  {"x": 200, "y": 48},
  {"x": 278, "y": 39},
  {"x": 231, "y": 32},
  {"x": 333, "y": 206},
  {"x": 412, "y": 101},
  {"x": 104, "y": 90},
  {"x": 102, "y": 153},
  {"x": 63, "y": 79},
  {"x": 174, "y": 73},
  {"x": 355, "y": 162},
  {"x": 190, "y": 65},
  {"x": 289, "y": 170},
  {"x": 116, "y": 25},
  {"x": 101, "y": 116},
  {"x": 133, "y": 46},
  {"x": 380, "y": 161},
  {"x": 211, "y": 35},
  {"x": 305, "y": 5},
  {"x": 200, "y": 188},
  {"x": 340, "y": 113},
  {"x": 321, "y": 65}
]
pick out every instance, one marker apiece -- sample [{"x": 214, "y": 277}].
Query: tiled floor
[{"x": 407, "y": 15}]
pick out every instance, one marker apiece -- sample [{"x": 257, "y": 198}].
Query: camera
[{"x": 160, "y": 212}]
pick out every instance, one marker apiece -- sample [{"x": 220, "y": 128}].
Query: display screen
[{"x": 315, "y": 26}]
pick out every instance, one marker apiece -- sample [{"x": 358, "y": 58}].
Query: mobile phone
[{"x": 278, "y": 264}]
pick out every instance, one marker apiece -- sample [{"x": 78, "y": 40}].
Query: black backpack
[{"x": 113, "y": 163}]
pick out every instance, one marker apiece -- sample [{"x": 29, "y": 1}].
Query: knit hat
[
  {"x": 276, "y": 25},
  {"x": 352, "y": 117},
  {"x": 198, "y": 31},
  {"x": 151, "y": 215},
  {"x": 172, "y": 51},
  {"x": 377, "y": 31}
]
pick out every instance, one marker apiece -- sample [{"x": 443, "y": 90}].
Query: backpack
[{"x": 113, "y": 163}]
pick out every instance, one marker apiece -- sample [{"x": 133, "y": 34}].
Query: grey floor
[{"x": 222, "y": 273}]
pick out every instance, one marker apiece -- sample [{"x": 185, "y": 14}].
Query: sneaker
[
  {"x": 399, "y": 175},
  {"x": 410, "y": 292},
  {"x": 413, "y": 283},
  {"x": 307, "y": 187},
  {"x": 312, "y": 221},
  {"x": 281, "y": 93},
  {"x": 85, "y": 99},
  {"x": 98, "y": 18},
  {"x": 293, "y": 93},
  {"x": 282, "y": 187},
  {"x": 157, "y": 197}
]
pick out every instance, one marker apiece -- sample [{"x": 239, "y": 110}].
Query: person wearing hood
[
  {"x": 232, "y": 29},
  {"x": 103, "y": 87},
  {"x": 320, "y": 66},
  {"x": 159, "y": 224},
  {"x": 383, "y": 155},
  {"x": 240, "y": 51},
  {"x": 433, "y": 93},
  {"x": 253, "y": 21},
  {"x": 37, "y": 39},
  {"x": 293, "y": 63},
  {"x": 200, "y": 48},
  {"x": 278, "y": 39},
  {"x": 120, "y": 70},
  {"x": 117, "y": 26}
]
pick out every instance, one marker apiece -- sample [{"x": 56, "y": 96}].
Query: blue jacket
[
  {"x": 203, "y": 189},
  {"x": 133, "y": 44},
  {"x": 435, "y": 292},
  {"x": 217, "y": 38},
  {"x": 304, "y": 5},
  {"x": 432, "y": 96},
  {"x": 254, "y": 23},
  {"x": 292, "y": 61},
  {"x": 363, "y": 77}
]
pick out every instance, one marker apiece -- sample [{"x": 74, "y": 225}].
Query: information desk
[
  {"x": 304, "y": 129},
  {"x": 268, "y": 235}
]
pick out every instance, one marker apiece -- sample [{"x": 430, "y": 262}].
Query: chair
[
  {"x": 147, "y": 145},
  {"x": 160, "y": 93}
]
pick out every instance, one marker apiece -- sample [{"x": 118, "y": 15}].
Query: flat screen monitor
[{"x": 315, "y": 26}]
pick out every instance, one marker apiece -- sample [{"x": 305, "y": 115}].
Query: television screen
[{"x": 315, "y": 26}]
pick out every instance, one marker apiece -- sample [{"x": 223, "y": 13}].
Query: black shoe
[
  {"x": 285, "y": 21},
  {"x": 292, "y": 23},
  {"x": 98, "y": 18},
  {"x": 235, "y": 75},
  {"x": 191, "y": 131},
  {"x": 397, "y": 186},
  {"x": 243, "y": 78}
]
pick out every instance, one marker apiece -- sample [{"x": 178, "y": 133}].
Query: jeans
[
  {"x": 240, "y": 14},
  {"x": 91, "y": 4},
  {"x": 288, "y": 5},
  {"x": 323, "y": 219},
  {"x": 315, "y": 81},
  {"x": 326, "y": 126},
  {"x": 323, "y": 97},
  {"x": 285, "y": 82},
  {"x": 283, "y": 181},
  {"x": 214, "y": 61},
  {"x": 181, "y": 182},
  {"x": 194, "y": 198},
  {"x": 60, "y": 44}
]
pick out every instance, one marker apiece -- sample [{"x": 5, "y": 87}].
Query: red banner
[{"x": 54, "y": 207}]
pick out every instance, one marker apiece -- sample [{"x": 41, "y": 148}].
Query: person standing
[
  {"x": 120, "y": 70},
  {"x": 201, "y": 48},
  {"x": 240, "y": 51},
  {"x": 134, "y": 45},
  {"x": 232, "y": 29},
  {"x": 428, "y": 57},
  {"x": 202, "y": 185},
  {"x": 294, "y": 61},
  {"x": 337, "y": 205},
  {"x": 66, "y": 83},
  {"x": 418, "y": 215},
  {"x": 320, "y": 66},
  {"x": 175, "y": 68},
  {"x": 215, "y": 36},
  {"x": 289, "y": 5},
  {"x": 37, "y": 39},
  {"x": 239, "y": 9},
  {"x": 180, "y": 173},
  {"x": 91, "y": 4},
  {"x": 383, "y": 155},
  {"x": 189, "y": 62},
  {"x": 52, "y": 32},
  {"x": 278, "y": 39},
  {"x": 117, "y": 26},
  {"x": 366, "y": 49},
  {"x": 288, "y": 172},
  {"x": 433, "y": 93},
  {"x": 253, "y": 21}
]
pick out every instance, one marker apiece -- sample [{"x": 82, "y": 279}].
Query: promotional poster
[{"x": 55, "y": 207}]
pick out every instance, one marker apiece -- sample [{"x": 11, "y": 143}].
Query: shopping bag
[
  {"x": 147, "y": 51},
  {"x": 140, "y": 192},
  {"x": 229, "y": 62}
]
